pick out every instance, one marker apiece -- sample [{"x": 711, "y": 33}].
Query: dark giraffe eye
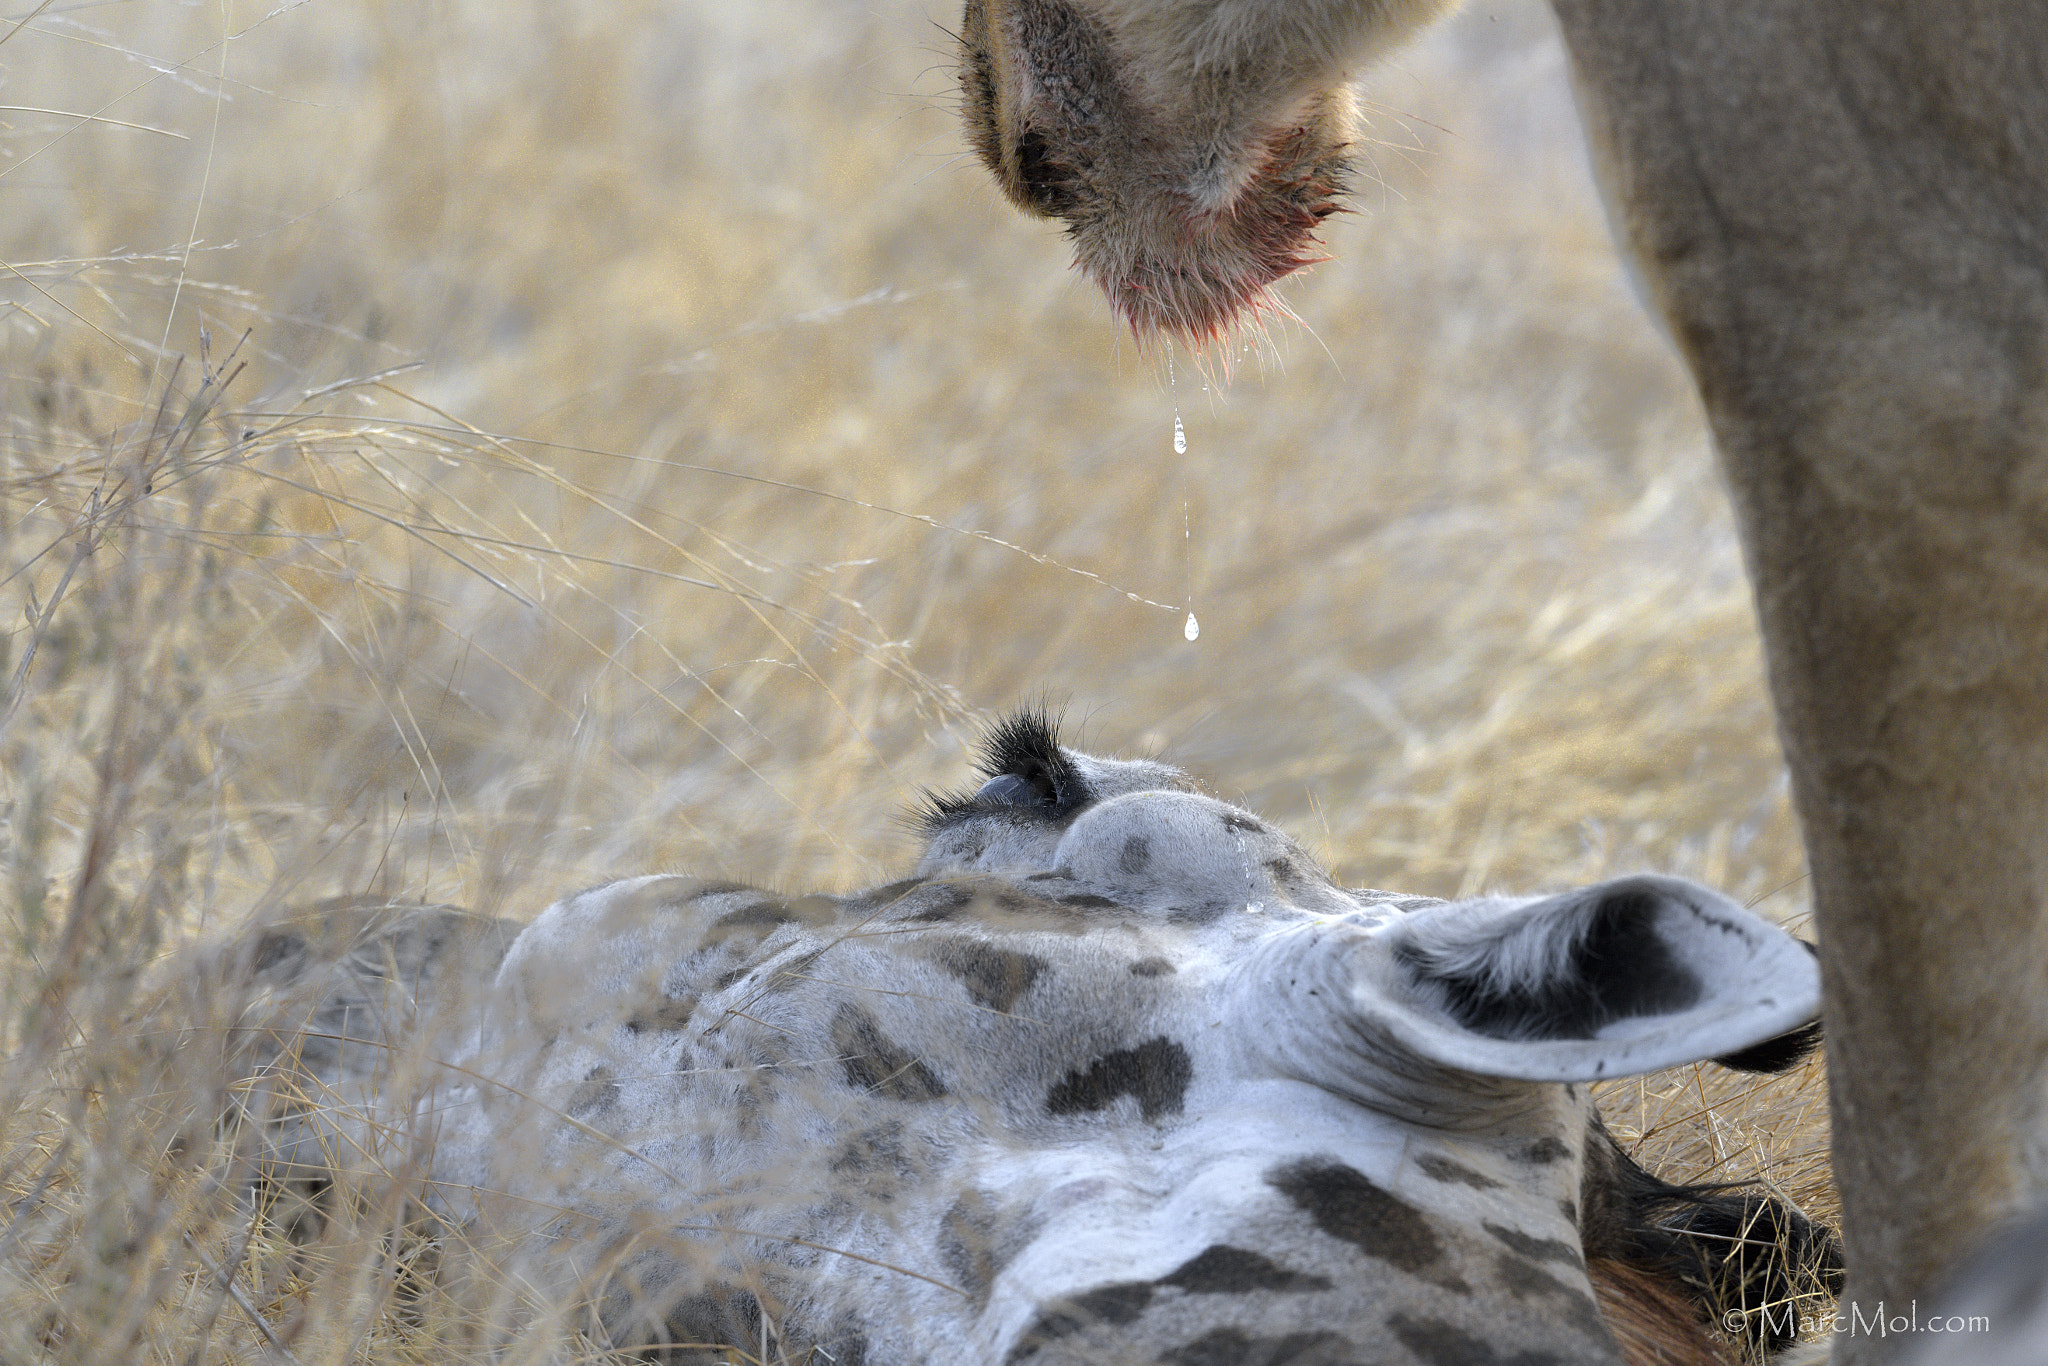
[
  {"x": 1034, "y": 788},
  {"x": 1026, "y": 768}
]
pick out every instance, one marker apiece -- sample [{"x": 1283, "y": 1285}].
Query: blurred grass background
[{"x": 459, "y": 452}]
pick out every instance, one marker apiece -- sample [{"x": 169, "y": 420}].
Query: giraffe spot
[
  {"x": 719, "y": 1313},
  {"x": 597, "y": 1091},
  {"x": 1541, "y": 1249},
  {"x": 1151, "y": 967},
  {"x": 663, "y": 1016},
  {"x": 937, "y": 903},
  {"x": 760, "y": 918},
  {"x": 874, "y": 1063},
  {"x": 875, "y": 1167},
  {"x": 1346, "y": 1205},
  {"x": 994, "y": 977},
  {"x": 761, "y": 915},
  {"x": 1118, "y": 1303},
  {"x": 1437, "y": 1343},
  {"x": 1088, "y": 901},
  {"x": 967, "y": 1244},
  {"x": 1233, "y": 1347},
  {"x": 1218, "y": 1269},
  {"x": 878, "y": 1149},
  {"x": 1221, "y": 1269},
  {"x": 1437, "y": 1167},
  {"x": 1543, "y": 1151},
  {"x": 785, "y": 974},
  {"x": 1136, "y": 855},
  {"x": 1156, "y": 1073},
  {"x": 1524, "y": 1279},
  {"x": 793, "y": 969},
  {"x": 277, "y": 946},
  {"x": 1012, "y": 902}
]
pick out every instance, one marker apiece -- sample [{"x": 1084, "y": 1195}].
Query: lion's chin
[
  {"x": 1182, "y": 270},
  {"x": 1186, "y": 200}
]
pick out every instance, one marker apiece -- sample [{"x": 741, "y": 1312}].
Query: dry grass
[{"x": 459, "y": 451}]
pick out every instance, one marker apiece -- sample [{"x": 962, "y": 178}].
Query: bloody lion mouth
[
  {"x": 1196, "y": 274},
  {"x": 1185, "y": 222}
]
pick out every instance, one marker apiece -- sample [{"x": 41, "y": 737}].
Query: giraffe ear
[{"x": 1619, "y": 978}]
